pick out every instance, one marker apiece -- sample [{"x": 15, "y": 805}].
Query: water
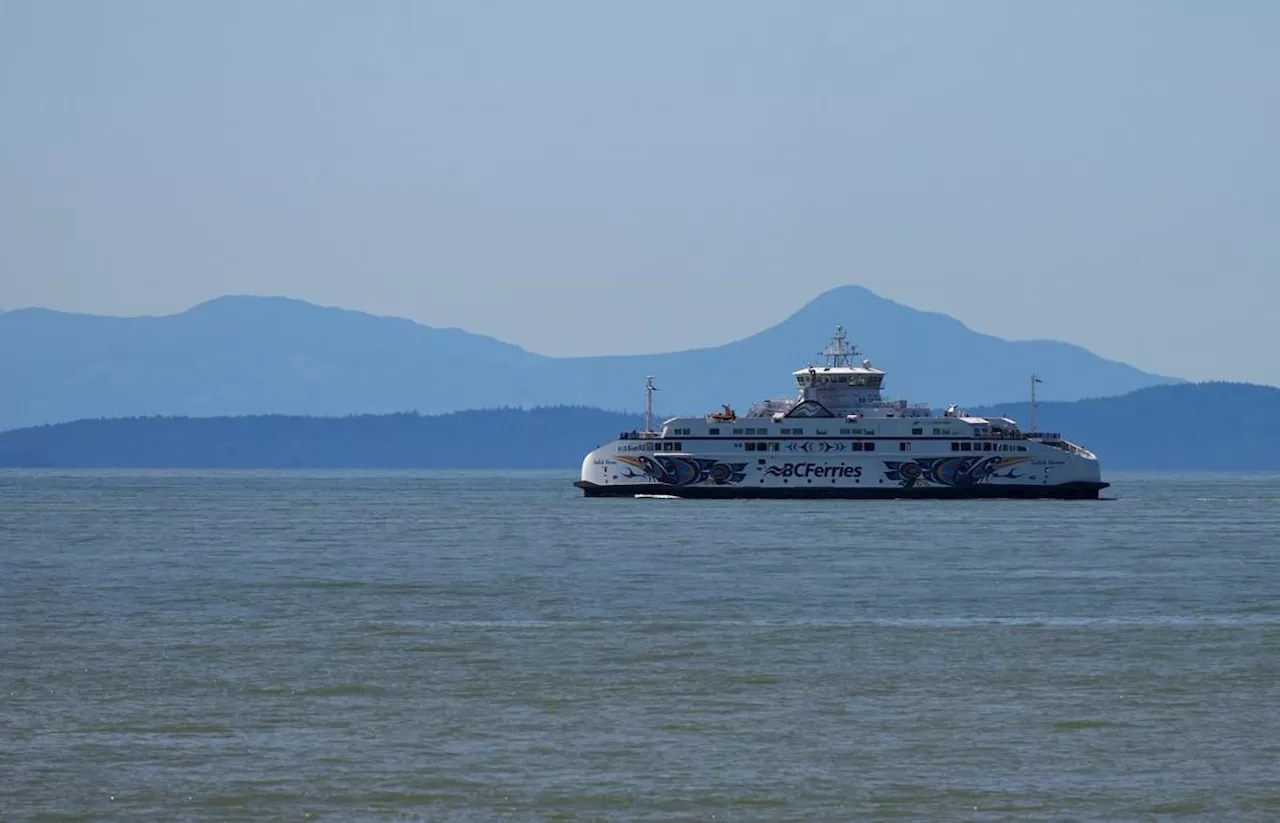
[{"x": 481, "y": 646}]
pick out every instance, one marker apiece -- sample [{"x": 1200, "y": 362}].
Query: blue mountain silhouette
[{"x": 243, "y": 355}]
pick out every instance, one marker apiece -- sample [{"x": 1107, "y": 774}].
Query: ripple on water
[{"x": 471, "y": 646}]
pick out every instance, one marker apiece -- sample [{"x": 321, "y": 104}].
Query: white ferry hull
[
  {"x": 839, "y": 437},
  {"x": 615, "y": 470}
]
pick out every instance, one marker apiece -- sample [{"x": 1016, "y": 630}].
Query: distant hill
[
  {"x": 1217, "y": 426},
  {"x": 270, "y": 355},
  {"x": 496, "y": 438},
  {"x": 1204, "y": 426}
]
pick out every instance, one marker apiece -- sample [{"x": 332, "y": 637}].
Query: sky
[{"x": 590, "y": 178}]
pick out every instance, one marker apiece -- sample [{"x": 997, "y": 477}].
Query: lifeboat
[{"x": 725, "y": 415}]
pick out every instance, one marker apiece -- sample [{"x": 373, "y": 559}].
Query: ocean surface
[{"x": 476, "y": 646}]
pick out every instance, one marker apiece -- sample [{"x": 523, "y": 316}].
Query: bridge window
[
  {"x": 904, "y": 446},
  {"x": 869, "y": 446},
  {"x": 713, "y": 431},
  {"x": 917, "y": 432},
  {"x": 955, "y": 447},
  {"x": 965, "y": 447}
]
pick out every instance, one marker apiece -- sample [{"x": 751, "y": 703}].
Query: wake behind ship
[{"x": 840, "y": 438}]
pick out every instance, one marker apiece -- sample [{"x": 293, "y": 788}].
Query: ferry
[{"x": 839, "y": 437}]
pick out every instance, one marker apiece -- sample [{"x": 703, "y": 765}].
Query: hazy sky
[{"x": 609, "y": 177}]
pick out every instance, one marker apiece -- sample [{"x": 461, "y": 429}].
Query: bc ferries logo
[{"x": 787, "y": 470}]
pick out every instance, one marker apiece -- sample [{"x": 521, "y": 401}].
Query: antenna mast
[
  {"x": 1034, "y": 381},
  {"x": 649, "y": 389},
  {"x": 836, "y": 353}
]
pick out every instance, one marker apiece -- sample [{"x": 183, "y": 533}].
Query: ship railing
[
  {"x": 901, "y": 408},
  {"x": 638, "y": 435},
  {"x": 1072, "y": 448},
  {"x": 1057, "y": 441},
  {"x": 1051, "y": 439},
  {"x": 765, "y": 408}
]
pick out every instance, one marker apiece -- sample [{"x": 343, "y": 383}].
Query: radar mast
[
  {"x": 649, "y": 388},
  {"x": 836, "y": 352}
]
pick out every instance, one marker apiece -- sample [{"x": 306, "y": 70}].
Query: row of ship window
[
  {"x": 773, "y": 446},
  {"x": 856, "y": 446},
  {"x": 918, "y": 432}
]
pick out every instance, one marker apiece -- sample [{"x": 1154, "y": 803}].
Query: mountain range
[
  {"x": 244, "y": 355},
  {"x": 1174, "y": 427}
]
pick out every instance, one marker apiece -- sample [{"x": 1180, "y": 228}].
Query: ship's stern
[
  {"x": 599, "y": 475},
  {"x": 594, "y": 475},
  {"x": 616, "y": 469},
  {"x": 1084, "y": 473}
]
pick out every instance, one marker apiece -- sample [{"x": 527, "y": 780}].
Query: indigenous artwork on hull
[
  {"x": 810, "y": 408},
  {"x": 815, "y": 446},
  {"x": 684, "y": 471},
  {"x": 951, "y": 471}
]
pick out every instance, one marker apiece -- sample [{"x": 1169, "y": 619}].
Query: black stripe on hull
[{"x": 1079, "y": 490}]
